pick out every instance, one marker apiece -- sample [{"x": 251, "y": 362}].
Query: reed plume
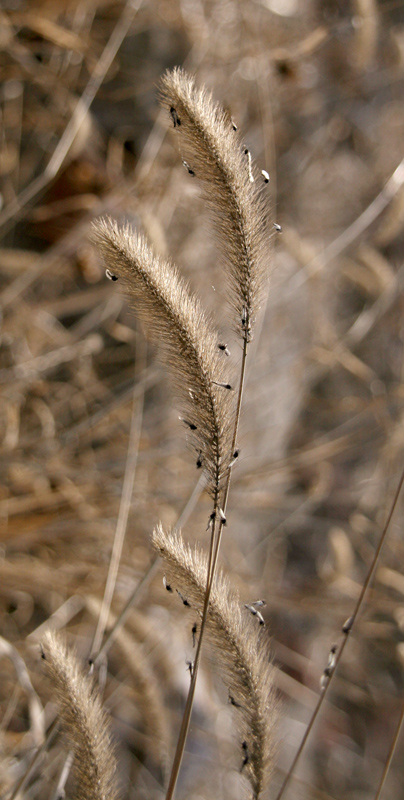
[
  {"x": 213, "y": 152},
  {"x": 83, "y": 719},
  {"x": 174, "y": 318},
  {"x": 239, "y": 652}
]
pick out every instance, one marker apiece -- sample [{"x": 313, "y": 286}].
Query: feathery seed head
[
  {"x": 84, "y": 721},
  {"x": 210, "y": 144},
  {"x": 174, "y": 318},
  {"x": 239, "y": 652}
]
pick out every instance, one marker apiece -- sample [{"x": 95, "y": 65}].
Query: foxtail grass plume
[
  {"x": 239, "y": 652},
  {"x": 83, "y": 719},
  {"x": 211, "y": 149},
  {"x": 175, "y": 320}
]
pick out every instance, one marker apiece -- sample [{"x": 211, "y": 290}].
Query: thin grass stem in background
[
  {"x": 347, "y": 628},
  {"x": 212, "y": 151},
  {"x": 17, "y": 207},
  {"x": 124, "y": 508},
  {"x": 145, "y": 581},
  {"x": 390, "y": 754}
]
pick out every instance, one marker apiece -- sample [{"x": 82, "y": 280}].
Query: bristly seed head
[
  {"x": 239, "y": 650},
  {"x": 208, "y": 140},
  {"x": 186, "y": 336},
  {"x": 83, "y": 719}
]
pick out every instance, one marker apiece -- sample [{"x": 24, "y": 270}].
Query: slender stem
[
  {"x": 346, "y": 630},
  {"x": 50, "y": 734},
  {"x": 124, "y": 508},
  {"x": 233, "y": 447},
  {"x": 186, "y": 718},
  {"x": 391, "y": 754},
  {"x": 188, "y": 508},
  {"x": 212, "y": 562}
]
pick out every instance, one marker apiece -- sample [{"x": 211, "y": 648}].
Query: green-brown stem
[
  {"x": 212, "y": 562},
  {"x": 391, "y": 754},
  {"x": 341, "y": 649}
]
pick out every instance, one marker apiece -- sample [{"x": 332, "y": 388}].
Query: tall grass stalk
[
  {"x": 212, "y": 151},
  {"x": 346, "y": 630}
]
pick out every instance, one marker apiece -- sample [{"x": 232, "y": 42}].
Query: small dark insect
[
  {"x": 222, "y": 516},
  {"x": 224, "y": 349},
  {"x": 250, "y": 173},
  {"x": 167, "y": 585},
  {"x": 184, "y": 599},
  {"x": 194, "y": 631},
  {"x": 278, "y": 227},
  {"x": 199, "y": 461},
  {"x": 255, "y": 613},
  {"x": 265, "y": 175},
  {"x": 212, "y": 518},
  {"x": 223, "y": 385},
  {"x": 110, "y": 275},
  {"x": 332, "y": 660},
  {"x": 332, "y": 657},
  {"x": 186, "y": 165},
  {"x": 246, "y": 755},
  {"x": 191, "y": 425},
  {"x": 190, "y": 667},
  {"x": 42, "y": 652},
  {"x": 347, "y": 626},
  {"x": 175, "y": 117},
  {"x": 235, "y": 457},
  {"x": 233, "y": 702},
  {"x": 233, "y": 125}
]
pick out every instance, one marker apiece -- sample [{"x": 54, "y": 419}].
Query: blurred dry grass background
[{"x": 317, "y": 89}]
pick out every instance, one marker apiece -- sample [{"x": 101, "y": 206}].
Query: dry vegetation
[{"x": 316, "y": 89}]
